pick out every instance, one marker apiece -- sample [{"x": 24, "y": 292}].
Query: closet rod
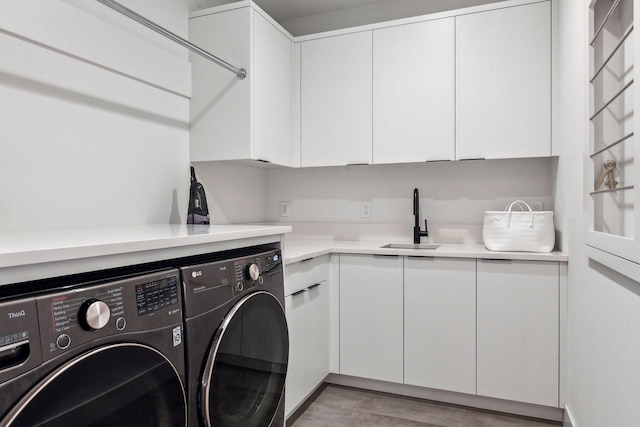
[
  {"x": 240, "y": 72},
  {"x": 604, "y": 21},
  {"x": 611, "y": 190},
  {"x": 611, "y": 100},
  {"x": 606, "y": 61},
  {"x": 613, "y": 144}
]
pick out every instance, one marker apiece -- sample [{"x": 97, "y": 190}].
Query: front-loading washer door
[
  {"x": 122, "y": 385},
  {"x": 243, "y": 379}
]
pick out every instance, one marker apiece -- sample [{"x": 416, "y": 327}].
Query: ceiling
[{"x": 302, "y": 17}]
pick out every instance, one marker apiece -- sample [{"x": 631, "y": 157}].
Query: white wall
[
  {"x": 236, "y": 193},
  {"x": 604, "y": 307},
  {"x": 94, "y": 115},
  {"x": 450, "y": 192}
]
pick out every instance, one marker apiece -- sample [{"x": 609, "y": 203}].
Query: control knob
[
  {"x": 252, "y": 272},
  {"x": 94, "y": 314}
]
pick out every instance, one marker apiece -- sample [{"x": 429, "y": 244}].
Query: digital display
[{"x": 153, "y": 296}]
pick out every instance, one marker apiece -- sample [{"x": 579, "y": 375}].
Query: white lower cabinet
[
  {"x": 307, "y": 310},
  {"x": 440, "y": 323},
  {"x": 295, "y": 387},
  {"x": 317, "y": 328},
  {"x": 371, "y": 317},
  {"x": 518, "y": 331},
  {"x": 481, "y": 327}
]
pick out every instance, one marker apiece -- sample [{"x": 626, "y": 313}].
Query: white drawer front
[{"x": 303, "y": 274}]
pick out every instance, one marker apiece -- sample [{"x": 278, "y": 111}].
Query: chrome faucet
[{"x": 417, "y": 233}]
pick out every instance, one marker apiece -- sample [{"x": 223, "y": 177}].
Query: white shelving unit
[{"x": 613, "y": 236}]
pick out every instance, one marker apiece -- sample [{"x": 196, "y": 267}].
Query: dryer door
[
  {"x": 243, "y": 380},
  {"x": 116, "y": 385}
]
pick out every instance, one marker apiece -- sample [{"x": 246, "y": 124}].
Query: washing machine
[
  {"x": 107, "y": 353},
  {"x": 237, "y": 341}
]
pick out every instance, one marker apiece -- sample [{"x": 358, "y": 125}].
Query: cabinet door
[
  {"x": 273, "y": 86},
  {"x": 371, "y": 317},
  {"x": 414, "y": 92},
  {"x": 518, "y": 327},
  {"x": 503, "y": 77},
  {"x": 220, "y": 124},
  {"x": 317, "y": 333},
  {"x": 440, "y": 323},
  {"x": 296, "y": 377},
  {"x": 336, "y": 100}
]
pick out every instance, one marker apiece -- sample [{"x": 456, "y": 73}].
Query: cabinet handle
[
  {"x": 386, "y": 255},
  {"x": 308, "y": 259},
  {"x": 504, "y": 261},
  {"x": 314, "y": 286},
  {"x": 299, "y": 292}
]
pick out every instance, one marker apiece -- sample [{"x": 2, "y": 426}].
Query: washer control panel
[
  {"x": 74, "y": 317},
  {"x": 156, "y": 295}
]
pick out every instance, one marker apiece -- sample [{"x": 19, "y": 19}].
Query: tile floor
[{"x": 337, "y": 406}]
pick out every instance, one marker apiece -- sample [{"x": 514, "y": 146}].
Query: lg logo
[
  {"x": 17, "y": 314},
  {"x": 196, "y": 274}
]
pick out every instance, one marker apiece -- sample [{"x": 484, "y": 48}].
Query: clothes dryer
[{"x": 237, "y": 341}]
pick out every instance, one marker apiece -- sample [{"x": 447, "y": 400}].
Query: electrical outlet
[
  {"x": 536, "y": 205},
  {"x": 284, "y": 208},
  {"x": 365, "y": 210}
]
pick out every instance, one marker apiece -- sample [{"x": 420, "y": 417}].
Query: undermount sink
[{"x": 410, "y": 246}]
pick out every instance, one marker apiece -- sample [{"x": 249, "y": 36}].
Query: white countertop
[
  {"x": 300, "y": 249},
  {"x": 35, "y": 254}
]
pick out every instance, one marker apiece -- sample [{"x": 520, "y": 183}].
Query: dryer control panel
[{"x": 210, "y": 285}]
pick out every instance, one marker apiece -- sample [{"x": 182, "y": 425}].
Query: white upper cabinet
[
  {"x": 249, "y": 119},
  {"x": 475, "y": 85},
  {"x": 414, "y": 92},
  {"x": 503, "y": 78},
  {"x": 336, "y": 92},
  {"x": 273, "y": 86}
]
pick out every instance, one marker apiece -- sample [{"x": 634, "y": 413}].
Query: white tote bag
[{"x": 524, "y": 230}]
